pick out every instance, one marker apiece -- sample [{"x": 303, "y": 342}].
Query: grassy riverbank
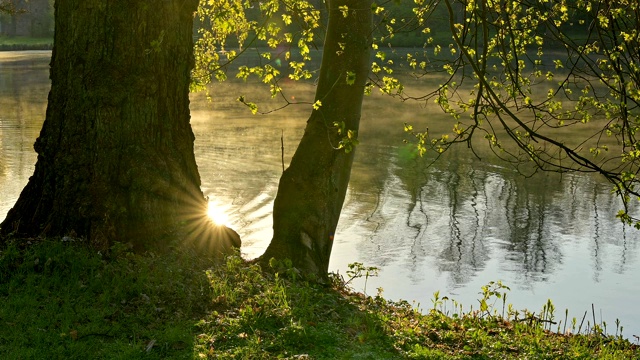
[
  {"x": 62, "y": 300},
  {"x": 19, "y": 43}
]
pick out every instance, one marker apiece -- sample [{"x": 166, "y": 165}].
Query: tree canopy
[{"x": 523, "y": 75}]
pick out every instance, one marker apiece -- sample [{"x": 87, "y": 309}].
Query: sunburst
[{"x": 218, "y": 214}]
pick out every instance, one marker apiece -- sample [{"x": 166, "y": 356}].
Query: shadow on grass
[{"x": 61, "y": 299}]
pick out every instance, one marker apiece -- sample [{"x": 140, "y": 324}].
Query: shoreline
[
  {"x": 25, "y": 47},
  {"x": 21, "y": 43}
]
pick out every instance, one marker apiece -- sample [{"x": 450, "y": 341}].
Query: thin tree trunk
[
  {"x": 115, "y": 154},
  {"x": 312, "y": 190}
]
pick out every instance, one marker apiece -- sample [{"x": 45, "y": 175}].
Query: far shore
[{"x": 22, "y": 43}]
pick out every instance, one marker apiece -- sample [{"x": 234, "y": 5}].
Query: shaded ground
[{"x": 60, "y": 299}]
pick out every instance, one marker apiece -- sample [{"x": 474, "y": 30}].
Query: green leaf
[
  {"x": 344, "y": 9},
  {"x": 351, "y": 78}
]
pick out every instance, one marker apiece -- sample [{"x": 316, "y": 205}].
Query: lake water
[{"x": 452, "y": 226}]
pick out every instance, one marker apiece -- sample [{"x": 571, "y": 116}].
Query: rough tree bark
[
  {"x": 312, "y": 190},
  {"x": 115, "y": 154}
]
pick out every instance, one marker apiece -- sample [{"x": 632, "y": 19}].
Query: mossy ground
[{"x": 63, "y": 300}]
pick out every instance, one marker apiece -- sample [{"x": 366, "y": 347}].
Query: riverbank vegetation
[
  {"x": 15, "y": 43},
  {"x": 60, "y": 299}
]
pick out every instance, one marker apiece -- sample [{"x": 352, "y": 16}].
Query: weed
[{"x": 358, "y": 270}]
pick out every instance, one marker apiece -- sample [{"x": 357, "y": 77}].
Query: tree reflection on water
[{"x": 463, "y": 212}]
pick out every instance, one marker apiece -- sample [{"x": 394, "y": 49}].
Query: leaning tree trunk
[
  {"x": 115, "y": 154},
  {"x": 312, "y": 190}
]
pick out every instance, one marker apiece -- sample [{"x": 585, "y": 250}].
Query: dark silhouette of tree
[{"x": 312, "y": 190}]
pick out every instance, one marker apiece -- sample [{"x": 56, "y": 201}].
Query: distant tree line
[{"x": 26, "y": 18}]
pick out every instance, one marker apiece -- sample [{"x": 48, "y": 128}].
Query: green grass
[
  {"x": 25, "y": 43},
  {"x": 63, "y": 300}
]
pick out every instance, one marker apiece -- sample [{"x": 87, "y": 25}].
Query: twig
[
  {"x": 593, "y": 313},
  {"x": 582, "y": 322}
]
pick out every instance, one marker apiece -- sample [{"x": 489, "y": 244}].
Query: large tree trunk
[
  {"x": 115, "y": 154},
  {"x": 312, "y": 190}
]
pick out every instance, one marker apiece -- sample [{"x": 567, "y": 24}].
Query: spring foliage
[{"x": 519, "y": 75}]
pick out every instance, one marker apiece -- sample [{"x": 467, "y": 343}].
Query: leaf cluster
[
  {"x": 274, "y": 32},
  {"x": 551, "y": 85}
]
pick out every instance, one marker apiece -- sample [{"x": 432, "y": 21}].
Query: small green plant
[
  {"x": 285, "y": 267},
  {"x": 494, "y": 289},
  {"x": 358, "y": 270},
  {"x": 349, "y": 139}
]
